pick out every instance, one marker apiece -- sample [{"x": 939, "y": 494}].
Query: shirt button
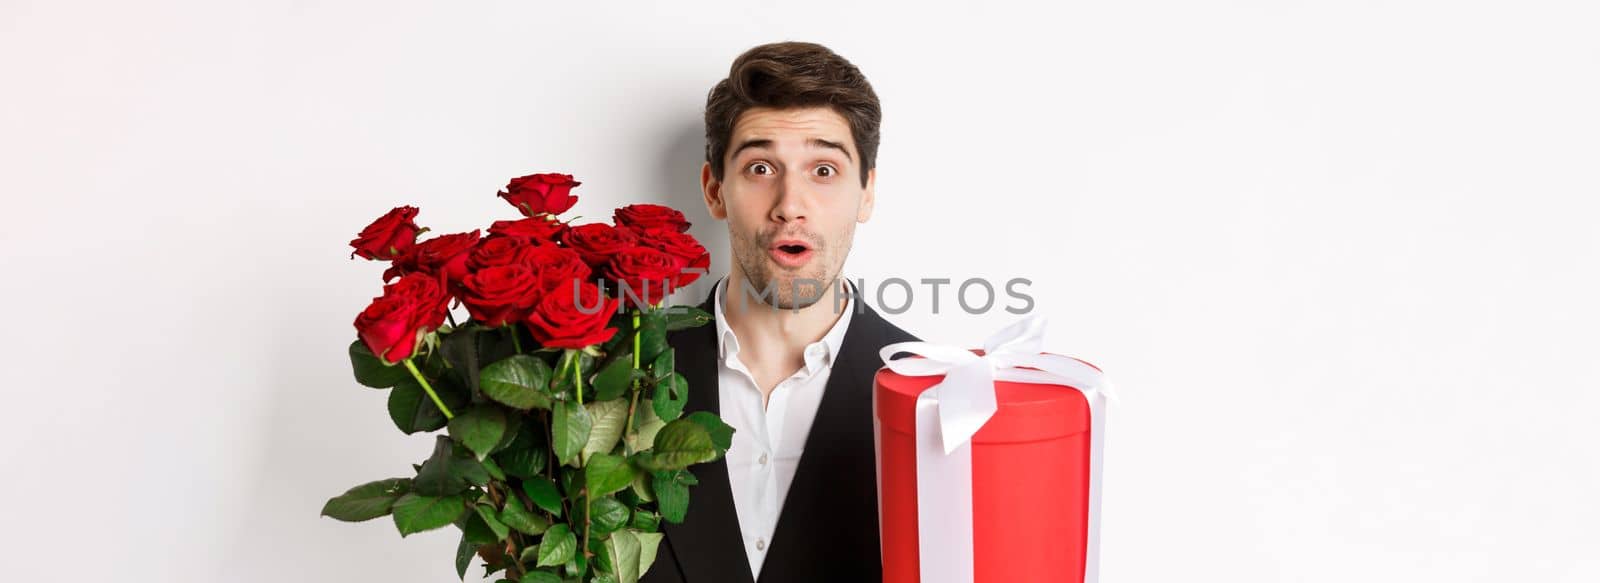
[
  {"x": 763, "y": 459},
  {"x": 761, "y": 544}
]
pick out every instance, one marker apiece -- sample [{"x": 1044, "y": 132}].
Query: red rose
[
  {"x": 645, "y": 273},
  {"x": 425, "y": 287},
  {"x": 573, "y": 318},
  {"x": 391, "y": 236},
  {"x": 393, "y": 323},
  {"x": 645, "y": 216},
  {"x": 541, "y": 193},
  {"x": 682, "y": 245},
  {"x": 556, "y": 266},
  {"x": 401, "y": 264},
  {"x": 597, "y": 242},
  {"x": 494, "y": 251},
  {"x": 542, "y": 228},
  {"x": 445, "y": 255},
  {"x": 501, "y": 293}
]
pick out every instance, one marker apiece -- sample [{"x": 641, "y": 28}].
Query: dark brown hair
[{"x": 792, "y": 74}]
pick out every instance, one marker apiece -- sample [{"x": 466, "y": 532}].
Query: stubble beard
[{"x": 785, "y": 294}]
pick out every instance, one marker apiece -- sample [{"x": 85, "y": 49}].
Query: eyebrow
[{"x": 815, "y": 142}]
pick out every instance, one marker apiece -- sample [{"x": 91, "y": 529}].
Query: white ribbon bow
[{"x": 952, "y": 411}]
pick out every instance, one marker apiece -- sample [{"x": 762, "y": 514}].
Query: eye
[
  {"x": 755, "y": 165},
  {"x": 830, "y": 171}
]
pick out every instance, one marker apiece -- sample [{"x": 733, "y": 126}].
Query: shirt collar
[{"x": 821, "y": 353}]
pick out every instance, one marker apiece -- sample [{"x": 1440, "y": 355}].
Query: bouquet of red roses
[{"x": 565, "y": 443}]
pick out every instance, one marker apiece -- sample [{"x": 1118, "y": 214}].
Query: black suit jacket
[{"x": 827, "y": 530}]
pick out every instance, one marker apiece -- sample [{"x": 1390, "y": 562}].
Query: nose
[{"x": 794, "y": 199}]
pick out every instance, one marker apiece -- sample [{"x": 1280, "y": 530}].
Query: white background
[{"x": 1340, "y": 256}]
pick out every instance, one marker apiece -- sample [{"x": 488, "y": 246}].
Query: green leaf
[
  {"x": 670, "y": 396},
  {"x": 606, "y": 473},
  {"x": 438, "y": 475},
  {"x": 518, "y": 382},
  {"x": 622, "y": 550},
  {"x": 681, "y": 317},
  {"x": 522, "y": 463},
  {"x": 464, "y": 552},
  {"x": 652, "y": 335},
  {"x": 527, "y": 453},
  {"x": 646, "y": 521},
  {"x": 641, "y": 485},
  {"x": 572, "y": 425},
  {"x": 449, "y": 470},
  {"x": 490, "y": 517},
  {"x": 469, "y": 469},
  {"x": 721, "y": 433},
  {"x": 680, "y": 444},
  {"x": 367, "y": 501},
  {"x": 517, "y": 516},
  {"x": 579, "y": 564},
  {"x": 411, "y": 409},
  {"x": 607, "y": 417},
  {"x": 649, "y": 543},
  {"x": 663, "y": 365},
  {"x": 543, "y": 493},
  {"x": 476, "y": 530},
  {"x": 414, "y": 513},
  {"x": 540, "y": 577},
  {"x": 460, "y": 349},
  {"x": 373, "y": 371},
  {"x": 672, "y": 495},
  {"x": 557, "y": 547},
  {"x": 612, "y": 380},
  {"x": 607, "y": 514},
  {"x": 645, "y": 426},
  {"x": 514, "y": 425},
  {"x": 479, "y": 428}
]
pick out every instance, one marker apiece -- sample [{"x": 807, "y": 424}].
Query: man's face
[{"x": 791, "y": 176}]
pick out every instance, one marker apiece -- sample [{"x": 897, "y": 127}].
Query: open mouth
[
  {"x": 791, "y": 246},
  {"x": 790, "y": 253}
]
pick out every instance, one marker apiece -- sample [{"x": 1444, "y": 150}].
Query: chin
[{"x": 791, "y": 285}]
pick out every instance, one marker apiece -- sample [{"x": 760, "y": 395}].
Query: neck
[{"x": 779, "y": 335}]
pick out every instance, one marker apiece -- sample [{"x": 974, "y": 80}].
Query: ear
[
  {"x": 711, "y": 189},
  {"x": 865, "y": 211}
]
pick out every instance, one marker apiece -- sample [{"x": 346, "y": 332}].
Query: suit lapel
[{"x": 707, "y": 544}]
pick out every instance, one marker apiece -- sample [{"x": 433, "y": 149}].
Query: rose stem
[
  {"x": 511, "y": 538},
  {"x": 577, "y": 372},
  {"x": 633, "y": 404},
  {"x": 577, "y": 387},
  {"x": 429, "y": 388},
  {"x": 514, "y": 341}
]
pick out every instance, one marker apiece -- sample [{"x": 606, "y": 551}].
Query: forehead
[{"x": 792, "y": 128}]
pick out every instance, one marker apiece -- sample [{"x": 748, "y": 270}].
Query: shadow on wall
[{"x": 683, "y": 147}]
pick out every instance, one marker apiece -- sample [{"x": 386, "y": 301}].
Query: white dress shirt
[{"x": 767, "y": 443}]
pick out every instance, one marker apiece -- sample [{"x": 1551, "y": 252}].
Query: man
[{"x": 792, "y": 140}]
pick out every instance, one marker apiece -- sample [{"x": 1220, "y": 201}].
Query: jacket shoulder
[{"x": 886, "y": 332}]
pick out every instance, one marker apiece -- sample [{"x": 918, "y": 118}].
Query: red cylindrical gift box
[{"x": 1030, "y": 481}]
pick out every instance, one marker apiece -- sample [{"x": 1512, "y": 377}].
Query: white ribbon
[{"x": 950, "y": 412}]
